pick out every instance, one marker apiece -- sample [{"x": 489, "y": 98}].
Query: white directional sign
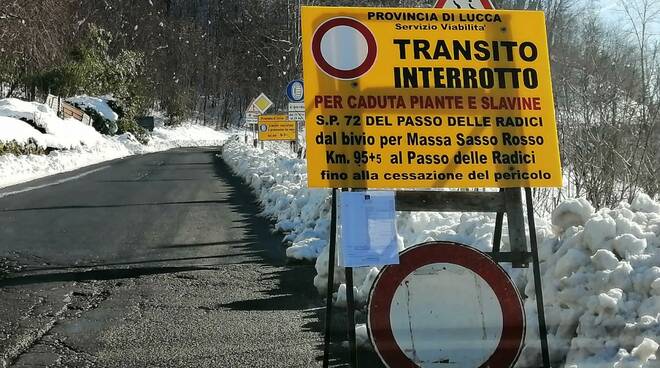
[
  {"x": 252, "y": 114},
  {"x": 251, "y": 118},
  {"x": 464, "y": 4},
  {"x": 297, "y": 111}
]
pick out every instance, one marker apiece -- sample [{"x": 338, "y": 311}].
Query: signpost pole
[
  {"x": 331, "y": 279},
  {"x": 543, "y": 331},
  {"x": 350, "y": 306},
  {"x": 497, "y": 236}
]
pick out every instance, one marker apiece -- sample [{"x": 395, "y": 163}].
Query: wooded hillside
[{"x": 209, "y": 58}]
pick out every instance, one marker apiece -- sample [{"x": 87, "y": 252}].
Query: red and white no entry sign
[
  {"x": 464, "y": 4},
  {"x": 446, "y": 305},
  {"x": 344, "y": 48}
]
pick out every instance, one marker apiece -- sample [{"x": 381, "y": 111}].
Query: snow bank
[
  {"x": 19, "y": 109},
  {"x": 601, "y": 283},
  {"x": 185, "y": 135},
  {"x": 20, "y": 169},
  {"x": 601, "y": 270},
  {"x": 59, "y": 133},
  {"x": 280, "y": 181},
  {"x": 81, "y": 145},
  {"x": 16, "y": 130},
  {"x": 99, "y": 104}
]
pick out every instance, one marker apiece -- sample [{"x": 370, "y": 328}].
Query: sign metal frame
[{"x": 507, "y": 202}]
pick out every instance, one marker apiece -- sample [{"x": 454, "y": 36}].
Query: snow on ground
[
  {"x": 16, "y": 130},
  {"x": 601, "y": 270},
  {"x": 100, "y": 104},
  {"x": 63, "y": 134},
  {"x": 80, "y": 144},
  {"x": 601, "y": 283}
]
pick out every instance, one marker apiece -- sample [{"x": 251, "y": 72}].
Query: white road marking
[
  {"x": 312, "y": 309},
  {"x": 28, "y": 189}
]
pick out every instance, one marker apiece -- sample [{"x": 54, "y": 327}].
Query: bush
[
  {"x": 131, "y": 126},
  {"x": 15, "y": 148},
  {"x": 117, "y": 107},
  {"x": 101, "y": 124},
  {"x": 92, "y": 69},
  {"x": 178, "y": 107}
]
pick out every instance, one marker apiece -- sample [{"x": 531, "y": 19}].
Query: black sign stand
[
  {"x": 506, "y": 201},
  {"x": 332, "y": 253}
]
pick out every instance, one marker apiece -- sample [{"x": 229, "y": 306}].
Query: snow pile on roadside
[
  {"x": 601, "y": 270},
  {"x": 59, "y": 133},
  {"x": 81, "y": 145},
  {"x": 100, "y": 104},
  {"x": 184, "y": 135},
  {"x": 19, "y": 169},
  {"x": 601, "y": 282},
  {"x": 280, "y": 181},
  {"x": 16, "y": 130},
  {"x": 19, "y": 109}
]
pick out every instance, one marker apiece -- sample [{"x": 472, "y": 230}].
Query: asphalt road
[{"x": 152, "y": 261}]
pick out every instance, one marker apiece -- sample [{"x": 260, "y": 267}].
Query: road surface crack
[
  {"x": 13, "y": 353},
  {"x": 75, "y": 304}
]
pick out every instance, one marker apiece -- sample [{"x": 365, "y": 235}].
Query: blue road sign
[{"x": 295, "y": 91}]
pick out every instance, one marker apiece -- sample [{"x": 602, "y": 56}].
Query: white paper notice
[{"x": 368, "y": 229}]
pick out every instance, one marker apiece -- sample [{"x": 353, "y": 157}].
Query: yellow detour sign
[
  {"x": 428, "y": 98},
  {"x": 277, "y": 128}
]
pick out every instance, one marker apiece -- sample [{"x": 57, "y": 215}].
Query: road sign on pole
[
  {"x": 295, "y": 91},
  {"x": 277, "y": 128},
  {"x": 464, "y": 4},
  {"x": 297, "y": 111},
  {"x": 251, "y": 118},
  {"x": 363, "y": 84},
  {"x": 427, "y": 310},
  {"x": 262, "y": 103}
]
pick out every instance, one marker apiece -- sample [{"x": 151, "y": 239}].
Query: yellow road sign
[
  {"x": 277, "y": 128},
  {"x": 262, "y": 103},
  {"x": 428, "y": 98}
]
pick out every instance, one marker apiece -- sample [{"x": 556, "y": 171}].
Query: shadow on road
[
  {"x": 108, "y": 274},
  {"x": 261, "y": 246},
  {"x": 82, "y": 207},
  {"x": 137, "y": 263},
  {"x": 242, "y": 200},
  {"x": 195, "y": 245},
  {"x": 296, "y": 288}
]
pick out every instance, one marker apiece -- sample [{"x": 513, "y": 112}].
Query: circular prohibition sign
[
  {"x": 395, "y": 326},
  {"x": 344, "y": 48}
]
